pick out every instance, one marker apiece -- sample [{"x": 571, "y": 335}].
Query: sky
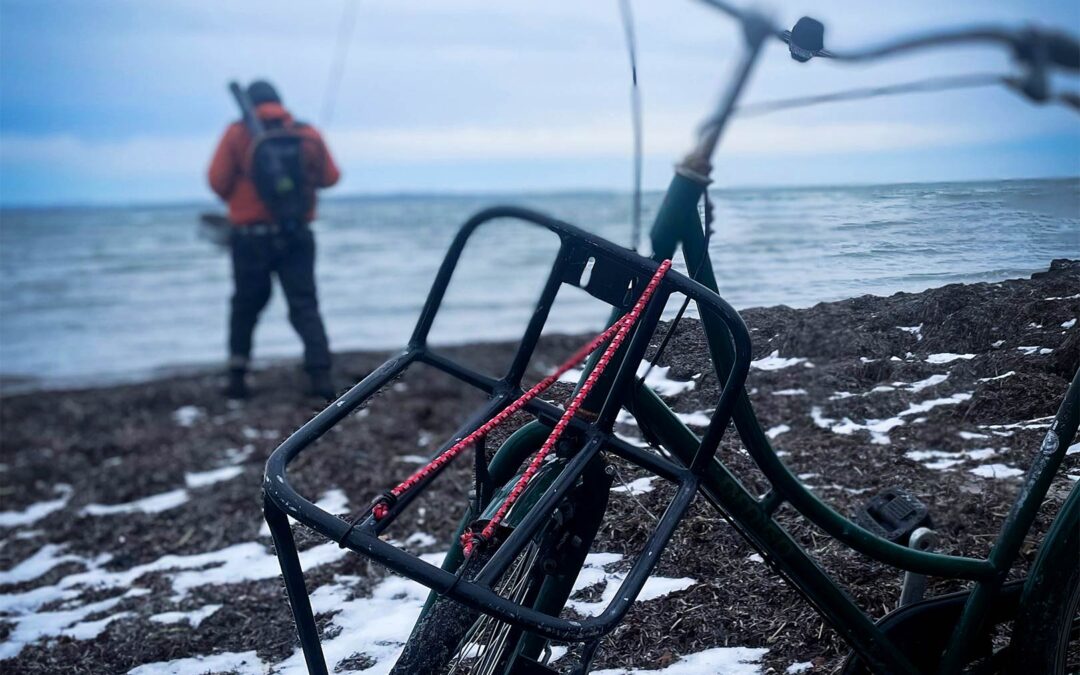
[{"x": 122, "y": 101}]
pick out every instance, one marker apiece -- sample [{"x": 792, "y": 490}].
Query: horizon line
[{"x": 529, "y": 192}]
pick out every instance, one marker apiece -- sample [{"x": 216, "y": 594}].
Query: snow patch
[
  {"x": 241, "y": 663},
  {"x": 775, "y": 362},
  {"x": 790, "y": 392},
  {"x": 914, "y": 330},
  {"x": 43, "y": 560},
  {"x": 657, "y": 379},
  {"x": 251, "y": 433},
  {"x": 635, "y": 441},
  {"x": 946, "y": 357},
  {"x": 1069, "y": 324},
  {"x": 1036, "y": 350},
  {"x": 695, "y": 419},
  {"x": 931, "y": 381},
  {"x": 35, "y": 512},
  {"x": 777, "y": 430},
  {"x": 238, "y": 455},
  {"x": 636, "y": 487},
  {"x": 420, "y": 539},
  {"x": 31, "y": 627},
  {"x": 946, "y": 460},
  {"x": 997, "y": 377},
  {"x": 194, "y": 617},
  {"x": 997, "y": 471},
  {"x": 377, "y": 625},
  {"x": 152, "y": 504},
  {"x": 726, "y": 660},
  {"x": 592, "y": 573},
  {"x": 204, "y": 478},
  {"x": 333, "y": 501},
  {"x": 1037, "y": 423},
  {"x": 878, "y": 429},
  {"x": 188, "y": 415},
  {"x": 916, "y": 408}
]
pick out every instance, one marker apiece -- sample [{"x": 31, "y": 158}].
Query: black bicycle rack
[{"x": 618, "y": 276}]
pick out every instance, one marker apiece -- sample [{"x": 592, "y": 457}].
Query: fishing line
[
  {"x": 627, "y": 15},
  {"x": 346, "y": 25}
]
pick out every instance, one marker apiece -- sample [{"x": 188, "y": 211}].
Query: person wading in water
[{"x": 267, "y": 167}]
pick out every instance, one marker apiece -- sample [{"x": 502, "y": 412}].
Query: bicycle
[{"x": 497, "y": 599}]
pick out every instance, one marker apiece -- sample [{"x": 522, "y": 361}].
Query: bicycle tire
[
  {"x": 1041, "y": 638},
  {"x": 443, "y": 634},
  {"x": 440, "y": 630}
]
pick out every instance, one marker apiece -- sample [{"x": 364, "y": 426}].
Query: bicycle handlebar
[
  {"x": 1035, "y": 48},
  {"x": 1028, "y": 44},
  {"x": 1061, "y": 49}
]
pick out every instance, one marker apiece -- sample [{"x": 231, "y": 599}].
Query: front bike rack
[{"x": 617, "y": 277}]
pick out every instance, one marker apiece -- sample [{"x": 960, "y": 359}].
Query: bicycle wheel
[
  {"x": 451, "y": 638},
  {"x": 1046, "y": 639}
]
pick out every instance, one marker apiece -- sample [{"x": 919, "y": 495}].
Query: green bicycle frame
[{"x": 678, "y": 223}]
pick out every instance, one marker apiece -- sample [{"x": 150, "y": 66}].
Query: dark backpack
[{"x": 283, "y": 173}]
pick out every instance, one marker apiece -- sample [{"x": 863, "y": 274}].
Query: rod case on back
[{"x": 277, "y": 165}]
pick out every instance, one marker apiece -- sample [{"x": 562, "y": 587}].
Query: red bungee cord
[
  {"x": 617, "y": 333},
  {"x": 382, "y": 505},
  {"x": 468, "y": 538}
]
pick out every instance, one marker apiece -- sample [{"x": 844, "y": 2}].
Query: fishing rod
[{"x": 346, "y": 27}]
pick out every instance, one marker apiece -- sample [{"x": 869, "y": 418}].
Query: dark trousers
[{"x": 256, "y": 257}]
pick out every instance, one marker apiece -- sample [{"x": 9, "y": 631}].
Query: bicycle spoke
[{"x": 483, "y": 646}]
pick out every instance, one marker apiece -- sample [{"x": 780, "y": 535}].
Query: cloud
[
  {"x": 165, "y": 156},
  {"x": 122, "y": 97},
  {"x": 138, "y": 156}
]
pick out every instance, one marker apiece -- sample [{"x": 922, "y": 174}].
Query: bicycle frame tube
[{"x": 677, "y": 222}]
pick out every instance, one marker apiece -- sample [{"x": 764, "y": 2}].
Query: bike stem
[{"x": 698, "y": 164}]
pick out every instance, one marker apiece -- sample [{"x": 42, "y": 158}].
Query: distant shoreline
[{"x": 210, "y": 204}]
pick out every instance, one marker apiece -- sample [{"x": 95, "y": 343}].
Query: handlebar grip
[{"x": 1062, "y": 49}]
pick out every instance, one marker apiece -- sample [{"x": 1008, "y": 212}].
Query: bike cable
[
  {"x": 627, "y": 15},
  {"x": 707, "y": 220},
  {"x": 932, "y": 84}
]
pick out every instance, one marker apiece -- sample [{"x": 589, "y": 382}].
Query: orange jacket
[{"x": 229, "y": 172}]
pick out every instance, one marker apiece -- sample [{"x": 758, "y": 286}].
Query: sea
[{"x": 100, "y": 295}]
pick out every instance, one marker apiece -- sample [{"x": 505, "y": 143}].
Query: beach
[{"x": 131, "y": 537}]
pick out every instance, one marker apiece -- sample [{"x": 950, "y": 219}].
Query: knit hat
[{"x": 261, "y": 91}]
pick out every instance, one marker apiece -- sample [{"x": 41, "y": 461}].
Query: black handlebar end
[
  {"x": 806, "y": 40},
  {"x": 1063, "y": 50},
  {"x": 1049, "y": 47}
]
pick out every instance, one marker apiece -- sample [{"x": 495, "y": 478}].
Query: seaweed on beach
[{"x": 1012, "y": 345}]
